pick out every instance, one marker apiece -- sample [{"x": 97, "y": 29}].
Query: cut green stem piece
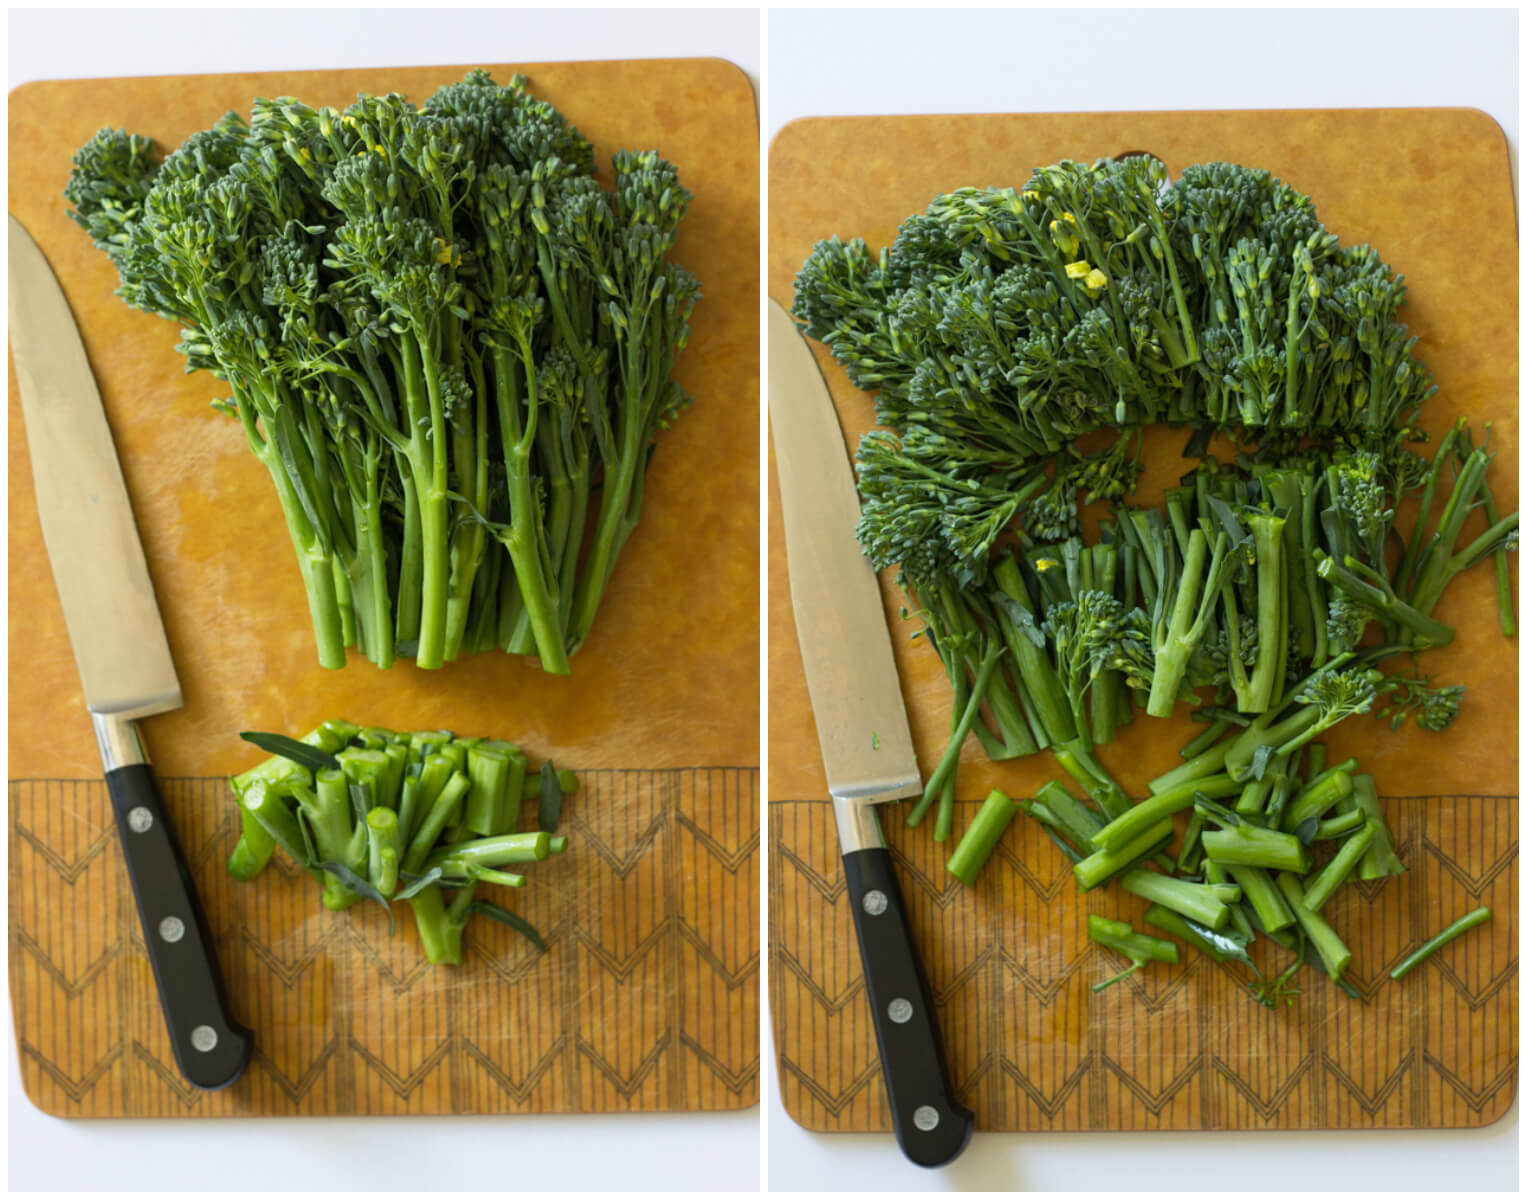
[
  {"x": 1221, "y": 947},
  {"x": 1209, "y": 762},
  {"x": 1159, "y": 807},
  {"x": 1429, "y": 947},
  {"x": 1335, "y": 872},
  {"x": 1247, "y": 845},
  {"x": 1317, "y": 799},
  {"x": 1334, "y": 955},
  {"x": 1077, "y": 758},
  {"x": 488, "y": 767},
  {"x": 950, "y": 762},
  {"x": 1266, "y": 900},
  {"x": 385, "y": 849},
  {"x": 981, "y": 837},
  {"x": 1139, "y": 948},
  {"x": 1205, "y": 903},
  {"x": 1340, "y": 826},
  {"x": 1103, "y": 865},
  {"x": 1381, "y": 860},
  {"x": 440, "y": 816},
  {"x": 491, "y": 852},
  {"x": 1215, "y": 730}
]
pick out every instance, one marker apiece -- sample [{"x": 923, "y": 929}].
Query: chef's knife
[
  {"x": 862, "y": 726},
  {"x": 120, "y": 649}
]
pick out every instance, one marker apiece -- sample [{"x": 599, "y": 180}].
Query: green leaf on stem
[
  {"x": 361, "y": 887},
  {"x": 292, "y": 750},
  {"x": 550, "y": 811},
  {"x": 504, "y": 917}
]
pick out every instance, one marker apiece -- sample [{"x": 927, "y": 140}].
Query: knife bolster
[
  {"x": 858, "y": 825},
  {"x": 116, "y": 736}
]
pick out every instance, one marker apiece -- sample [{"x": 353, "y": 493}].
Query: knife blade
[
  {"x": 120, "y": 649},
  {"x": 862, "y": 726}
]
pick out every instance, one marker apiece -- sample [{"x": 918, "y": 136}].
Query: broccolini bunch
[
  {"x": 448, "y": 344},
  {"x": 1018, "y": 342}
]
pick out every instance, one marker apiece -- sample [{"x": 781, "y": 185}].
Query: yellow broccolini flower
[{"x": 1062, "y": 233}]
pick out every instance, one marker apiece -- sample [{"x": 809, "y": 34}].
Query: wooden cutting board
[
  {"x": 1185, "y": 1047},
  {"x": 647, "y": 998}
]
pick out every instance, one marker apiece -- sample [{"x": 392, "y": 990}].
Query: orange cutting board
[
  {"x": 647, "y": 998},
  {"x": 1185, "y": 1047}
]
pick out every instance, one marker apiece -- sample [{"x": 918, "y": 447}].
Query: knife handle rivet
[
  {"x": 139, "y": 819},
  {"x": 875, "y": 902},
  {"x": 204, "y": 1038},
  {"x": 172, "y": 929},
  {"x": 900, "y": 1010},
  {"x": 925, "y": 1117}
]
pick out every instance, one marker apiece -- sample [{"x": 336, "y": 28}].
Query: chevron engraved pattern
[
  {"x": 647, "y": 999},
  {"x": 1188, "y": 1047}
]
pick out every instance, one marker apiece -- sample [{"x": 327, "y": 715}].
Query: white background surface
[
  {"x": 642, "y": 1151},
  {"x": 825, "y": 63}
]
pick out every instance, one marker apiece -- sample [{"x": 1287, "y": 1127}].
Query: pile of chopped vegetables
[
  {"x": 373, "y": 814},
  {"x": 1019, "y": 343},
  {"x": 447, "y": 343}
]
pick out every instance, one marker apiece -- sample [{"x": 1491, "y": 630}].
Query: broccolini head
[
  {"x": 113, "y": 173},
  {"x": 1346, "y": 621},
  {"x": 1434, "y": 707},
  {"x": 1338, "y": 694}
]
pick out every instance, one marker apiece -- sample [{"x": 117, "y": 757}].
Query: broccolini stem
[
  {"x": 943, "y": 821},
  {"x": 950, "y": 762},
  {"x": 1440, "y": 459},
  {"x": 410, "y": 589},
  {"x": 1150, "y": 812},
  {"x": 1248, "y": 845},
  {"x": 1317, "y": 798},
  {"x": 1189, "y": 618},
  {"x": 1334, "y": 955},
  {"x": 317, "y": 567},
  {"x": 385, "y": 849},
  {"x": 254, "y": 848},
  {"x": 1206, "y": 903},
  {"x": 1429, "y": 947},
  {"x": 1077, "y": 758},
  {"x": 981, "y": 837},
  {"x": 440, "y": 937},
  {"x": 1265, "y": 898},
  {"x": 1032, "y": 663},
  {"x": 1373, "y": 591},
  {"x": 425, "y": 454},
  {"x": 488, "y": 769},
  {"x": 1206, "y": 762},
  {"x": 1211, "y": 734},
  {"x": 523, "y": 540},
  {"x": 1502, "y": 567},
  {"x": 1103, "y": 865},
  {"x": 1324, "y": 885},
  {"x": 1266, "y": 682},
  {"x": 441, "y": 814},
  {"x": 1381, "y": 860},
  {"x": 491, "y": 852},
  {"x": 1139, "y": 948}
]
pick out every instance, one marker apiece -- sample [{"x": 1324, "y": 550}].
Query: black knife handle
[
  {"x": 210, "y": 1046},
  {"x": 932, "y": 1126}
]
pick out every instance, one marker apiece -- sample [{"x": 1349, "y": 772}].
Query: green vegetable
[
  {"x": 392, "y": 818},
  {"x": 1429, "y": 947},
  {"x": 1019, "y": 342},
  {"x": 447, "y": 343},
  {"x": 981, "y": 837},
  {"x": 1139, "y": 948}
]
